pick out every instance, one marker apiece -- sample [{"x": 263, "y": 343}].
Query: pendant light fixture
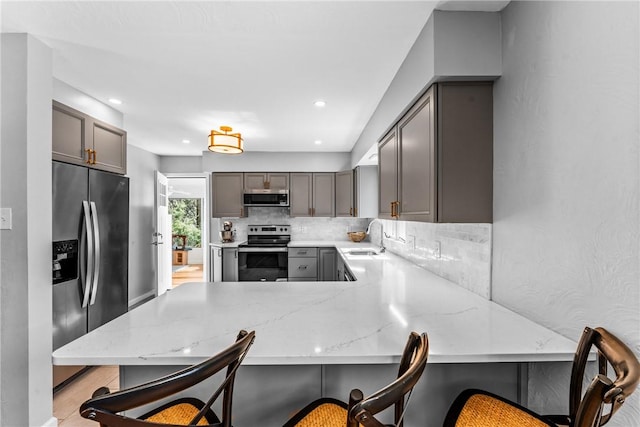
[{"x": 225, "y": 142}]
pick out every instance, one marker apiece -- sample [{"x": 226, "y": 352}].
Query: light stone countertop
[
  {"x": 300, "y": 323},
  {"x": 227, "y": 245}
]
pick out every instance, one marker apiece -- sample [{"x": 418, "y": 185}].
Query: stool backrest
[
  {"x": 588, "y": 410},
  {"x": 412, "y": 364}
]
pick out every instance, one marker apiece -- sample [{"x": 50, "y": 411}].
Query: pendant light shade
[{"x": 225, "y": 142}]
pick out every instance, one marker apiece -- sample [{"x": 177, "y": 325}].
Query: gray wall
[
  {"x": 25, "y": 273},
  {"x": 141, "y": 166},
  {"x": 452, "y": 45},
  {"x": 566, "y": 193}
]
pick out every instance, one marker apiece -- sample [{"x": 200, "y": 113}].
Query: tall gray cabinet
[{"x": 436, "y": 162}]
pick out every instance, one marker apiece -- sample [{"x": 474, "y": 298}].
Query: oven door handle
[{"x": 263, "y": 249}]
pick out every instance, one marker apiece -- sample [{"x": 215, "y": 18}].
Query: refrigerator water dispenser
[{"x": 65, "y": 261}]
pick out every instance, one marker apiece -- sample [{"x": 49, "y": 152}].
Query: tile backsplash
[
  {"x": 301, "y": 228},
  {"x": 460, "y": 253}
]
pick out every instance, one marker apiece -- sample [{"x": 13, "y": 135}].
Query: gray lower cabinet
[
  {"x": 303, "y": 264},
  {"x": 327, "y": 264},
  {"x": 226, "y": 200},
  {"x": 230, "y": 264},
  {"x": 80, "y": 139}
]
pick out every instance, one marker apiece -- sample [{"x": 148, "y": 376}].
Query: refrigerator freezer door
[
  {"x": 110, "y": 193},
  {"x": 69, "y": 190}
]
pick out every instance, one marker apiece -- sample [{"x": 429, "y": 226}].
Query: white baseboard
[
  {"x": 142, "y": 298},
  {"x": 51, "y": 422}
]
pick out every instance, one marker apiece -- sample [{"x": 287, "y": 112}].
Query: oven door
[{"x": 262, "y": 264}]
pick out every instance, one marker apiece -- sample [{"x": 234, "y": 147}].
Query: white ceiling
[{"x": 183, "y": 68}]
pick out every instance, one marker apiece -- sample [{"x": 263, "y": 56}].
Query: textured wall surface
[
  {"x": 566, "y": 172},
  {"x": 458, "y": 252}
]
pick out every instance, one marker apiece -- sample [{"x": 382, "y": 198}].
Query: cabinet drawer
[
  {"x": 303, "y": 267},
  {"x": 303, "y": 252}
]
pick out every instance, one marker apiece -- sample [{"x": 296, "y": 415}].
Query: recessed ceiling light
[
  {"x": 318, "y": 142},
  {"x": 319, "y": 103},
  {"x": 186, "y": 141},
  {"x": 115, "y": 101}
]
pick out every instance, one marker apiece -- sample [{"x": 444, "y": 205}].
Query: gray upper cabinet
[
  {"x": 300, "y": 194},
  {"x": 262, "y": 180},
  {"x": 436, "y": 164},
  {"x": 388, "y": 175},
  {"x": 312, "y": 194},
  {"x": 227, "y": 188},
  {"x": 80, "y": 139},
  {"x": 416, "y": 161},
  {"x": 344, "y": 194},
  {"x": 324, "y": 194}
]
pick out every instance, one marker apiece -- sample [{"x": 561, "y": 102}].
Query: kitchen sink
[{"x": 362, "y": 252}]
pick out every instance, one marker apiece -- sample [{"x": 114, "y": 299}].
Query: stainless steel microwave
[{"x": 266, "y": 197}]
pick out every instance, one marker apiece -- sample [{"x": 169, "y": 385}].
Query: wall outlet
[{"x": 5, "y": 219}]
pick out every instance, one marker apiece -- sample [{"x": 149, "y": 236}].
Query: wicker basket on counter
[{"x": 357, "y": 236}]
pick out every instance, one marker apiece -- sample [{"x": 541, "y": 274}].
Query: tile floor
[{"x": 67, "y": 401}]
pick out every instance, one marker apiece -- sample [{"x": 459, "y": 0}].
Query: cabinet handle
[
  {"x": 302, "y": 252},
  {"x": 302, "y": 267},
  {"x": 310, "y": 212},
  {"x": 394, "y": 210},
  {"x": 88, "y": 151},
  {"x": 94, "y": 157},
  {"x": 355, "y": 211},
  {"x": 350, "y": 211}
]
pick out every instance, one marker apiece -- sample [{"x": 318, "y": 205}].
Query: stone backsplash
[
  {"x": 301, "y": 228},
  {"x": 458, "y": 252}
]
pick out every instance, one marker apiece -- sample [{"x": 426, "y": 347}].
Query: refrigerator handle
[
  {"x": 96, "y": 236},
  {"x": 88, "y": 277}
]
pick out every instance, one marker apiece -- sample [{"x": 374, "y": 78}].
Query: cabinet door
[
  {"x": 416, "y": 148},
  {"x": 255, "y": 180},
  {"x": 344, "y": 193},
  {"x": 324, "y": 199},
  {"x": 70, "y": 134},
  {"x": 227, "y": 195},
  {"x": 300, "y": 194},
  {"x": 327, "y": 269},
  {"x": 278, "y": 181},
  {"x": 387, "y": 174},
  {"x": 230, "y": 265},
  {"x": 110, "y": 145}
]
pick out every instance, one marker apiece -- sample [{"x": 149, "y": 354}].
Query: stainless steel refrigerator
[{"x": 90, "y": 251}]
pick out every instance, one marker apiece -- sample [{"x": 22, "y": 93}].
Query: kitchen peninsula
[{"x": 324, "y": 338}]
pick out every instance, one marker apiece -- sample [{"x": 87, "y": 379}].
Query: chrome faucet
[{"x": 382, "y": 234}]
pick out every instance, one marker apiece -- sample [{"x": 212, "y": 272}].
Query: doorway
[{"x": 189, "y": 228}]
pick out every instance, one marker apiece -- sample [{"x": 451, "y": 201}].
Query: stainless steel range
[{"x": 264, "y": 256}]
